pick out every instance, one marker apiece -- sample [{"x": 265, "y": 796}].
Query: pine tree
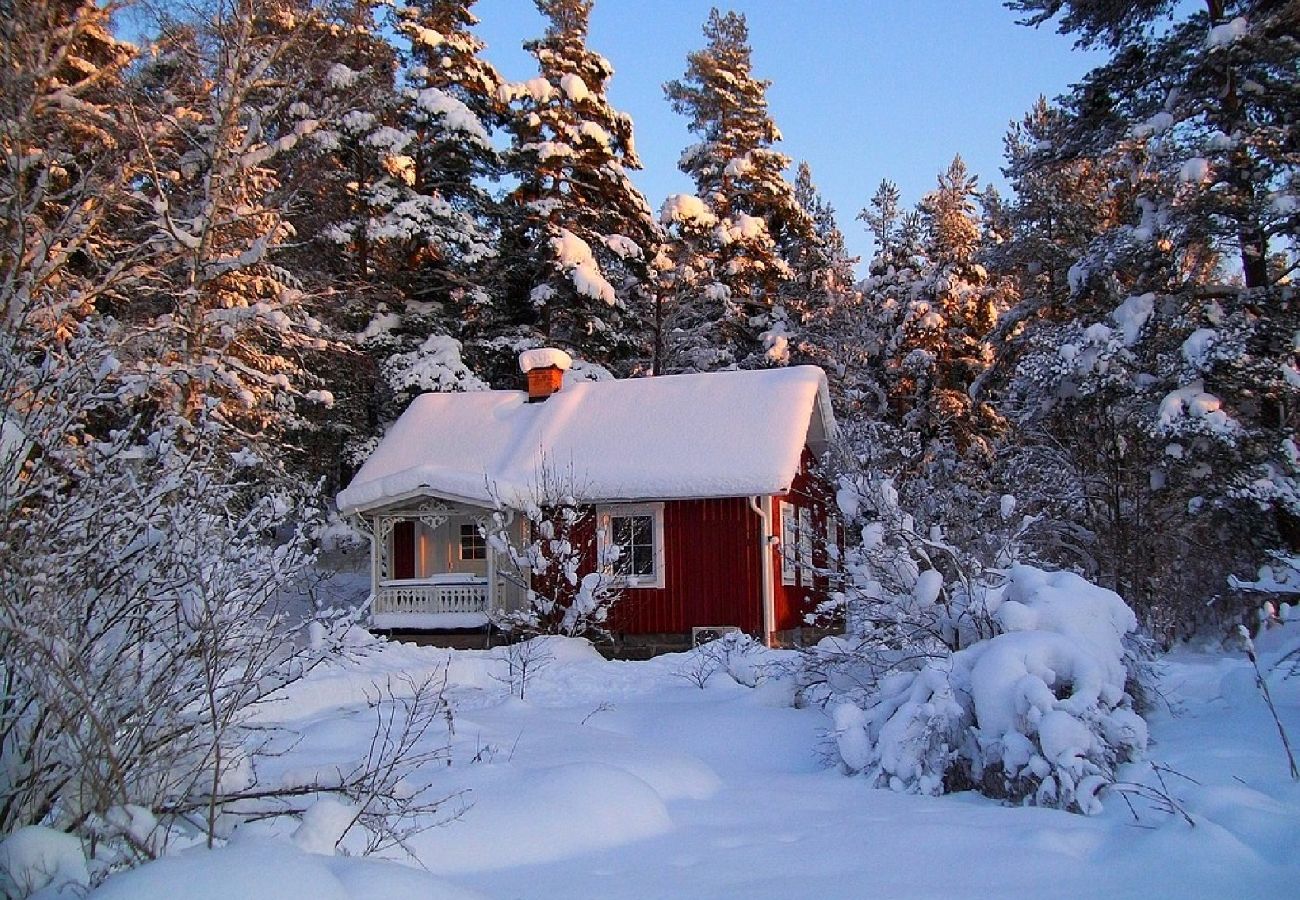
[
  {"x": 1059, "y": 207},
  {"x": 736, "y": 239},
  {"x": 1167, "y": 378},
  {"x": 578, "y": 236},
  {"x": 1208, "y": 103}
]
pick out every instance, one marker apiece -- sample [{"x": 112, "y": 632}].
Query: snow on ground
[{"x": 624, "y": 780}]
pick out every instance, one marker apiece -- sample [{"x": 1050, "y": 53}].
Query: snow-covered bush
[
  {"x": 144, "y": 619},
  {"x": 141, "y": 624},
  {"x": 569, "y": 585},
  {"x": 735, "y": 653},
  {"x": 1015, "y": 682}
]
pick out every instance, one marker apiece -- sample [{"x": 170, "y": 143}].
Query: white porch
[
  {"x": 432, "y": 569},
  {"x": 449, "y": 600}
]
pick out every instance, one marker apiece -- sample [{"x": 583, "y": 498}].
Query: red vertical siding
[
  {"x": 794, "y": 601},
  {"x": 711, "y": 571}
]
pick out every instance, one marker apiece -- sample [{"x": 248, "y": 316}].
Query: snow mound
[
  {"x": 548, "y": 814},
  {"x": 323, "y": 825},
  {"x": 34, "y": 858},
  {"x": 274, "y": 870}
]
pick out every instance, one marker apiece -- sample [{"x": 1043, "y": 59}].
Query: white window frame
[
  {"x": 832, "y": 542},
  {"x": 789, "y": 543},
  {"x": 481, "y": 543},
  {"x": 605, "y": 533}
]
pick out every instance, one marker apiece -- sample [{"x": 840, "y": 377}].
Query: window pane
[
  {"x": 643, "y": 560},
  {"x": 472, "y": 544},
  {"x": 642, "y": 528},
  {"x": 635, "y": 538}
]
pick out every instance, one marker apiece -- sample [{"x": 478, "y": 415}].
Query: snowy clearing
[{"x": 622, "y": 779}]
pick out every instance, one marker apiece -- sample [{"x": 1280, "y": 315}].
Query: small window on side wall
[
  {"x": 472, "y": 544},
  {"x": 638, "y": 533},
  {"x": 805, "y": 546},
  {"x": 789, "y": 543}
]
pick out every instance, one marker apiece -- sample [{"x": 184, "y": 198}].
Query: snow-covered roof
[{"x": 721, "y": 434}]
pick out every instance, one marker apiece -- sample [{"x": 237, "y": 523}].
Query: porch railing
[{"x": 427, "y": 596}]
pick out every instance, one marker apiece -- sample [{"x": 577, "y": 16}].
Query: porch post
[
  {"x": 375, "y": 538},
  {"x": 491, "y": 579}
]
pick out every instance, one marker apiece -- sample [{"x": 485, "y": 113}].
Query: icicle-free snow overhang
[{"x": 719, "y": 434}]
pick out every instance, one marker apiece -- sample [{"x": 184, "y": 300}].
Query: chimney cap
[{"x": 544, "y": 358}]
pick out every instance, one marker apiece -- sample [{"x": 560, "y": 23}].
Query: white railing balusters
[{"x": 425, "y": 597}]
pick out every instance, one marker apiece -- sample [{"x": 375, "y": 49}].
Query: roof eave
[{"x": 421, "y": 493}]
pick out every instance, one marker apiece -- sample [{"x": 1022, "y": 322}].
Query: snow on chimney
[{"x": 545, "y": 368}]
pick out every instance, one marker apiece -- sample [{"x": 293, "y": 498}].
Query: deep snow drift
[{"x": 622, "y": 779}]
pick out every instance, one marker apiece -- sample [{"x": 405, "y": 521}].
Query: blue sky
[{"x": 861, "y": 89}]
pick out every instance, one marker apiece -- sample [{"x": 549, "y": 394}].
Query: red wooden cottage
[{"x": 701, "y": 479}]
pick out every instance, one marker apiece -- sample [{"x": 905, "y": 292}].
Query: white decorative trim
[
  {"x": 430, "y": 514},
  {"x": 604, "y": 537}
]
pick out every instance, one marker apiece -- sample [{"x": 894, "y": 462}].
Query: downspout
[{"x": 763, "y": 507}]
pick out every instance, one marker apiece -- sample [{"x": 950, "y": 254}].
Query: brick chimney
[{"x": 544, "y": 368}]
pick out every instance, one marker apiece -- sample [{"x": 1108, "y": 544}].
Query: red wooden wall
[
  {"x": 712, "y": 574},
  {"x": 712, "y": 566},
  {"x": 794, "y": 601}
]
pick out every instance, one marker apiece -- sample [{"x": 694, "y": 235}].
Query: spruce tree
[
  {"x": 936, "y": 304},
  {"x": 451, "y": 106},
  {"x": 929, "y": 305},
  {"x": 443, "y": 214},
  {"x": 735, "y": 241},
  {"x": 578, "y": 236}
]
